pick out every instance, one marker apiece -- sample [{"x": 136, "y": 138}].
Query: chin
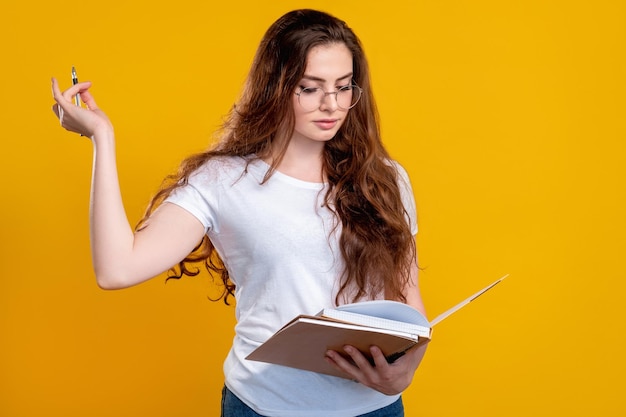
[{"x": 326, "y": 136}]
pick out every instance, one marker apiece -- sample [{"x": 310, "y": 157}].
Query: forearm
[
  {"x": 111, "y": 234},
  {"x": 412, "y": 291}
]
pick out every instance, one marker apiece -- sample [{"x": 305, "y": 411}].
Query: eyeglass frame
[{"x": 326, "y": 93}]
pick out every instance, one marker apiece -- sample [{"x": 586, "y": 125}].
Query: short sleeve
[
  {"x": 408, "y": 199},
  {"x": 196, "y": 202}
]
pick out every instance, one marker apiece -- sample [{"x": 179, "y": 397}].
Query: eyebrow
[{"x": 314, "y": 78}]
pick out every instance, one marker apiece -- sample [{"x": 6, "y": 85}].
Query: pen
[{"x": 74, "y": 82}]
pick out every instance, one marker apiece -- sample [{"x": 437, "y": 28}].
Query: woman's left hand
[{"x": 388, "y": 378}]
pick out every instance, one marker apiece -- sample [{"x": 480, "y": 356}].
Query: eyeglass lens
[{"x": 311, "y": 98}]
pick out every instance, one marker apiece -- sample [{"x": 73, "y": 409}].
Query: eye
[
  {"x": 345, "y": 88},
  {"x": 308, "y": 90}
]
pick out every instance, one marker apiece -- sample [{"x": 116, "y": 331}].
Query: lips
[{"x": 326, "y": 124}]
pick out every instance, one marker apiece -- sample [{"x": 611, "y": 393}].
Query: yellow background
[{"x": 508, "y": 115}]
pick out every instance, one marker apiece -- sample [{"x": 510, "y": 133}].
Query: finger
[
  {"x": 88, "y": 99},
  {"x": 69, "y": 93},
  {"x": 56, "y": 92},
  {"x": 60, "y": 99},
  {"x": 380, "y": 361},
  {"x": 358, "y": 358},
  {"x": 342, "y": 364},
  {"x": 77, "y": 89}
]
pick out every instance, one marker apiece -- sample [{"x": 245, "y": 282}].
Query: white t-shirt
[{"x": 277, "y": 242}]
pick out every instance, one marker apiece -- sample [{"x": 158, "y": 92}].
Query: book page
[
  {"x": 373, "y": 321},
  {"x": 465, "y": 302},
  {"x": 387, "y": 309}
]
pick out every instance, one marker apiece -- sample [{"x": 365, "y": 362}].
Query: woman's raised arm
[{"x": 121, "y": 257}]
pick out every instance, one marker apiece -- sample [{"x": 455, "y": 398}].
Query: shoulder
[
  {"x": 221, "y": 164},
  {"x": 401, "y": 173},
  {"x": 406, "y": 192},
  {"x": 220, "y": 169}
]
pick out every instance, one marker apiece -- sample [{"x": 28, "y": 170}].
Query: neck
[{"x": 303, "y": 161}]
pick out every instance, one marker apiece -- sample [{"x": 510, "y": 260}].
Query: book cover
[
  {"x": 392, "y": 326},
  {"x": 303, "y": 342}
]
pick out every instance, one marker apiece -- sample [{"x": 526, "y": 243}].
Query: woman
[{"x": 299, "y": 207}]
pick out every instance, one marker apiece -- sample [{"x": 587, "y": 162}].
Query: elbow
[
  {"x": 108, "y": 284},
  {"x": 112, "y": 282}
]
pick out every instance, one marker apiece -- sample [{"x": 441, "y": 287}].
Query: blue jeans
[{"x": 234, "y": 407}]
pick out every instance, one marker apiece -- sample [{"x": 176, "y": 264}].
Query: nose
[{"x": 329, "y": 101}]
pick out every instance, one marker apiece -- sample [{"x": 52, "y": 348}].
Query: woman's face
[{"x": 328, "y": 68}]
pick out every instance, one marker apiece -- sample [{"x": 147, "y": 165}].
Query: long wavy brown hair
[{"x": 376, "y": 242}]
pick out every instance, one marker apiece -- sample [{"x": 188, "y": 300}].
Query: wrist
[{"x": 103, "y": 136}]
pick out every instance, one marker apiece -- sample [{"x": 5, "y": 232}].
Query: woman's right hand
[{"x": 88, "y": 121}]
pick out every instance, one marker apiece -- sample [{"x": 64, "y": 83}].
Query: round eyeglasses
[{"x": 310, "y": 98}]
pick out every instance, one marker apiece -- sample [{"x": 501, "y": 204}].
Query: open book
[{"x": 392, "y": 326}]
